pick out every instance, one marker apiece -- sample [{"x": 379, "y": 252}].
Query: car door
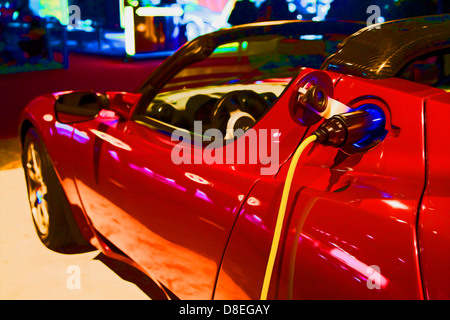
[
  {"x": 434, "y": 222},
  {"x": 173, "y": 220}
]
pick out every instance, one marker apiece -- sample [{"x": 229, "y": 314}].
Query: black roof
[{"x": 379, "y": 53}]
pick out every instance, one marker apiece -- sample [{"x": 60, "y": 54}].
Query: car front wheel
[{"x": 45, "y": 195}]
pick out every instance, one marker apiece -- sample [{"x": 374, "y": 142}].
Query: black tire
[{"x": 46, "y": 196}]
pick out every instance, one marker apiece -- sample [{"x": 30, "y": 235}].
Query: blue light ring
[
  {"x": 375, "y": 134},
  {"x": 377, "y": 131}
]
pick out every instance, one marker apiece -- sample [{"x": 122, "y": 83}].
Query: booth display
[
  {"x": 29, "y": 42},
  {"x": 135, "y": 28},
  {"x": 152, "y": 28}
]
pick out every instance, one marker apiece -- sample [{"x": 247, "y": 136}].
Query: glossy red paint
[
  {"x": 433, "y": 224},
  {"x": 205, "y": 231}
]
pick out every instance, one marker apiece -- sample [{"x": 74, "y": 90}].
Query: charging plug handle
[{"x": 343, "y": 129}]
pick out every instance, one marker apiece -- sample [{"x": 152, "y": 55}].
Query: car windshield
[{"x": 262, "y": 64}]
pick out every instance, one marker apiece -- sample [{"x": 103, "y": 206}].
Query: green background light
[{"x": 55, "y": 8}]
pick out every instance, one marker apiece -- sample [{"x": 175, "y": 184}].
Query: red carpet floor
[{"x": 84, "y": 72}]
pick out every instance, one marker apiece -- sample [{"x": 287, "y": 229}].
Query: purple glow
[
  {"x": 114, "y": 155},
  {"x": 64, "y": 129},
  {"x": 255, "y": 217},
  {"x": 202, "y": 195},
  {"x": 255, "y": 220},
  {"x": 366, "y": 271},
  {"x": 80, "y": 136},
  {"x": 157, "y": 177}
]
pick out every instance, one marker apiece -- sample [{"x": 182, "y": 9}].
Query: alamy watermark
[
  {"x": 375, "y": 16},
  {"x": 73, "y": 281},
  {"x": 251, "y": 147},
  {"x": 375, "y": 280},
  {"x": 74, "y": 16}
]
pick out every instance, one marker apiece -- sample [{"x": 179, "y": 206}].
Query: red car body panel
[{"x": 433, "y": 224}]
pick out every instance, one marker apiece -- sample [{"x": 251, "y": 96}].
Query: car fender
[{"x": 57, "y": 139}]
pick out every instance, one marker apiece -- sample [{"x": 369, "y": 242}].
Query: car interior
[{"x": 238, "y": 83}]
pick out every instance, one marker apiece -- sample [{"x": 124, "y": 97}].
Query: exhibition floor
[{"x": 28, "y": 270}]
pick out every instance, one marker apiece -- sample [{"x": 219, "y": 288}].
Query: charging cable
[
  {"x": 281, "y": 214},
  {"x": 339, "y": 131}
]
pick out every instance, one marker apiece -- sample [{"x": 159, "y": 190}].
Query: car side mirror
[{"x": 79, "y": 106}]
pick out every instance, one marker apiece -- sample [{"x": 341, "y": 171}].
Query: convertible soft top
[{"x": 380, "y": 51}]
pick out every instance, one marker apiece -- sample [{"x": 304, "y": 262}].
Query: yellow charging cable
[{"x": 281, "y": 214}]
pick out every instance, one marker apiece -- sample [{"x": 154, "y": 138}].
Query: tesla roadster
[{"x": 195, "y": 179}]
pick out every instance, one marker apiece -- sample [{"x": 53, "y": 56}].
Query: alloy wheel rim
[{"x": 37, "y": 190}]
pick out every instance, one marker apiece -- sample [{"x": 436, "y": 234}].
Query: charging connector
[{"x": 354, "y": 131}]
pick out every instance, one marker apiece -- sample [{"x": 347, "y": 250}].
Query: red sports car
[{"x": 253, "y": 165}]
